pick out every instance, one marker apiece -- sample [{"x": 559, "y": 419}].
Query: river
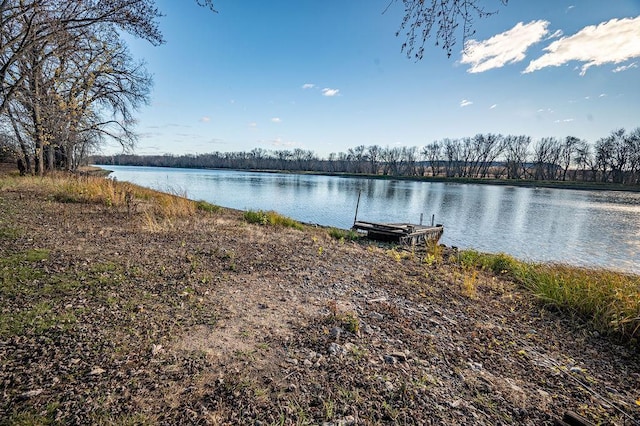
[{"x": 588, "y": 228}]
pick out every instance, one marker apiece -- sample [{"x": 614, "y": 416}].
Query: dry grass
[
  {"x": 609, "y": 300},
  {"x": 110, "y": 193}
]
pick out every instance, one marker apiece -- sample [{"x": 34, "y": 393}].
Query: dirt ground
[{"x": 107, "y": 318}]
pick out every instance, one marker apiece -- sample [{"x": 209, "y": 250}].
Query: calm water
[{"x": 593, "y": 228}]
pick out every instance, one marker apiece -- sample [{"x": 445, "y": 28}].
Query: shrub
[
  {"x": 343, "y": 234},
  {"x": 270, "y": 218},
  {"x": 501, "y": 264},
  {"x": 258, "y": 217},
  {"x": 207, "y": 207}
]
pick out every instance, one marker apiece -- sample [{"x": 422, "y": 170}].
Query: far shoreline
[{"x": 579, "y": 186}]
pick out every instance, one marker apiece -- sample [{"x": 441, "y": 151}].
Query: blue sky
[{"x": 329, "y": 75}]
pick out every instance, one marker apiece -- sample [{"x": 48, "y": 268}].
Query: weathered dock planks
[{"x": 404, "y": 233}]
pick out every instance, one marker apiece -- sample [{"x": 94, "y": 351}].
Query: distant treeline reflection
[{"x": 612, "y": 159}]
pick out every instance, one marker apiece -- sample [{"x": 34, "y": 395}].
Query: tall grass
[
  {"x": 609, "y": 300},
  {"x": 68, "y": 188}
]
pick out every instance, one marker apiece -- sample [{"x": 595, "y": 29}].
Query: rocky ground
[{"x": 113, "y": 318}]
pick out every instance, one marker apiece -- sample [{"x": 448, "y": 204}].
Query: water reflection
[{"x": 580, "y": 227}]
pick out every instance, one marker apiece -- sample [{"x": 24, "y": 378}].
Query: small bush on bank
[
  {"x": 270, "y": 218},
  {"x": 343, "y": 234},
  {"x": 257, "y": 217},
  {"x": 500, "y": 264},
  {"x": 207, "y": 207}
]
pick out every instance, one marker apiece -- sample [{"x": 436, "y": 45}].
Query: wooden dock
[{"x": 404, "y": 233}]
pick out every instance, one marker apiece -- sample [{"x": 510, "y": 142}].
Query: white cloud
[
  {"x": 504, "y": 48},
  {"x": 570, "y": 7},
  {"x": 205, "y": 119},
  {"x": 557, "y": 34},
  {"x": 308, "y": 86},
  {"x": 465, "y": 102},
  {"x": 276, "y": 120},
  {"x": 330, "y": 92},
  {"x": 566, "y": 120},
  {"x": 493, "y": 106},
  {"x": 625, "y": 67},
  {"x": 253, "y": 124},
  {"x": 602, "y": 95},
  {"x": 614, "y": 41}
]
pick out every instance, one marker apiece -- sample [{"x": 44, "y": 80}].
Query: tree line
[{"x": 614, "y": 158}]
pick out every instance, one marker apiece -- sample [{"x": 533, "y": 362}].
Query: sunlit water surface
[{"x": 591, "y": 228}]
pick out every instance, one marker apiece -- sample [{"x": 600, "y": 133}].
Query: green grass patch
[
  {"x": 343, "y": 234},
  {"x": 500, "y": 263},
  {"x": 34, "y": 300},
  {"x": 258, "y": 217},
  {"x": 18, "y": 271},
  {"x": 31, "y": 417},
  {"x": 8, "y": 233},
  {"x": 270, "y": 218},
  {"x": 207, "y": 207},
  {"x": 609, "y": 300},
  {"x": 34, "y": 320}
]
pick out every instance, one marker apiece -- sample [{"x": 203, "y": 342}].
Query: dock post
[
  {"x": 421, "y": 214},
  {"x": 355, "y": 218},
  {"x": 433, "y": 218}
]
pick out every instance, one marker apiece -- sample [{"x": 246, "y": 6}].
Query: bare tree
[
  {"x": 546, "y": 155},
  {"x": 374, "y": 154},
  {"x": 633, "y": 140},
  {"x": 490, "y": 147},
  {"x": 85, "y": 91},
  {"x": 452, "y": 153},
  {"x": 391, "y": 159},
  {"x": 440, "y": 19},
  {"x": 358, "y": 156},
  {"x": 516, "y": 151},
  {"x": 568, "y": 153},
  {"x": 584, "y": 160},
  {"x": 29, "y": 24},
  {"x": 432, "y": 153},
  {"x": 408, "y": 158},
  {"x": 616, "y": 155}
]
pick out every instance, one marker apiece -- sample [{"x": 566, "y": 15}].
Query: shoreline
[
  {"x": 560, "y": 258},
  {"x": 577, "y": 185}
]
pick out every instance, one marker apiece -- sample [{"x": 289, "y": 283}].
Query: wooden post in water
[
  {"x": 421, "y": 214},
  {"x": 433, "y": 218},
  {"x": 355, "y": 218}
]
